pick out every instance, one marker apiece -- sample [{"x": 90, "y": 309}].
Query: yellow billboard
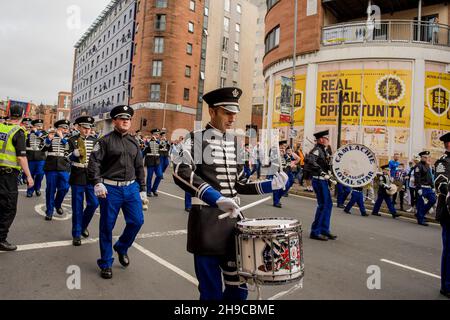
[
  {"x": 281, "y": 113},
  {"x": 437, "y": 101},
  {"x": 385, "y": 97}
]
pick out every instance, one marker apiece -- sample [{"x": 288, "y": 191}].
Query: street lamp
[{"x": 294, "y": 60}]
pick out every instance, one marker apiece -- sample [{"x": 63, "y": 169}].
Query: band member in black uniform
[
  {"x": 423, "y": 179},
  {"x": 36, "y": 156},
  {"x": 211, "y": 172},
  {"x": 384, "y": 184},
  {"x": 57, "y": 168},
  {"x": 317, "y": 163},
  {"x": 164, "y": 147},
  {"x": 442, "y": 211},
  {"x": 81, "y": 147},
  {"x": 116, "y": 168},
  {"x": 152, "y": 160}
]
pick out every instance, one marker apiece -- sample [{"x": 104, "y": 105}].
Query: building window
[
  {"x": 239, "y": 8},
  {"x": 187, "y": 71},
  {"x": 272, "y": 39},
  {"x": 189, "y": 48},
  {"x": 225, "y": 44},
  {"x": 235, "y": 66},
  {"x": 223, "y": 65},
  {"x": 186, "y": 94},
  {"x": 161, "y": 3},
  {"x": 192, "y": 5},
  {"x": 236, "y": 46},
  {"x": 226, "y": 24},
  {"x": 227, "y": 5},
  {"x": 270, "y": 3},
  {"x": 157, "y": 68},
  {"x": 222, "y": 82},
  {"x": 160, "y": 23},
  {"x": 238, "y": 27},
  {"x": 159, "y": 45},
  {"x": 191, "y": 27}
]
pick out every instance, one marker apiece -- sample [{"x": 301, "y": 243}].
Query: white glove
[
  {"x": 420, "y": 192},
  {"x": 100, "y": 190},
  {"x": 279, "y": 181},
  {"x": 327, "y": 177},
  {"x": 144, "y": 198},
  {"x": 229, "y": 206},
  {"x": 76, "y": 153}
]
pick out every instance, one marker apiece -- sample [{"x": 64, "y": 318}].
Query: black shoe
[
  {"x": 155, "y": 194},
  {"x": 149, "y": 195},
  {"x": 85, "y": 233},
  {"x": 423, "y": 224},
  {"x": 278, "y": 205},
  {"x": 376, "y": 214},
  {"x": 347, "y": 212},
  {"x": 29, "y": 195},
  {"x": 394, "y": 216},
  {"x": 60, "y": 211},
  {"x": 76, "y": 242},
  {"x": 47, "y": 218},
  {"x": 106, "y": 273},
  {"x": 38, "y": 193},
  {"x": 364, "y": 215},
  {"x": 445, "y": 294},
  {"x": 319, "y": 237},
  {"x": 341, "y": 206},
  {"x": 6, "y": 246},
  {"x": 123, "y": 258},
  {"x": 286, "y": 195},
  {"x": 187, "y": 210},
  {"x": 330, "y": 236}
]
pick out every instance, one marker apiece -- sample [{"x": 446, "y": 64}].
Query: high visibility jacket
[{"x": 8, "y": 156}]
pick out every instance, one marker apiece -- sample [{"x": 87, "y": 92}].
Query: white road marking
[
  {"x": 57, "y": 244},
  {"x": 170, "y": 195},
  {"x": 410, "y": 268},
  {"x": 166, "y": 264},
  {"x": 284, "y": 293},
  {"x": 39, "y": 209}
]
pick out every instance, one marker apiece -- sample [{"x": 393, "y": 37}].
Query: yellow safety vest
[{"x": 8, "y": 156}]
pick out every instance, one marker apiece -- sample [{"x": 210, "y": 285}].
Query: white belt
[
  {"x": 79, "y": 165},
  {"x": 56, "y": 154},
  {"x": 33, "y": 149},
  {"x": 426, "y": 187},
  {"x": 199, "y": 202},
  {"x": 118, "y": 183},
  {"x": 320, "y": 178}
]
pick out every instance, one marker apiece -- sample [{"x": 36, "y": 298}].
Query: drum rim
[{"x": 296, "y": 224}]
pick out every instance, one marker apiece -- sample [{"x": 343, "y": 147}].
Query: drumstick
[{"x": 251, "y": 205}]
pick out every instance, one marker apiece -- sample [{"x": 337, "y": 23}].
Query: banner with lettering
[
  {"x": 437, "y": 101},
  {"x": 281, "y": 112}
]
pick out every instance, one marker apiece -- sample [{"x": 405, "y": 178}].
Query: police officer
[
  {"x": 12, "y": 159},
  {"x": 442, "y": 212},
  {"x": 57, "y": 168},
  {"x": 384, "y": 184},
  {"x": 423, "y": 179},
  {"x": 214, "y": 181},
  {"x": 4, "y": 119},
  {"x": 116, "y": 168},
  {"x": 164, "y": 147},
  {"x": 152, "y": 162},
  {"x": 318, "y": 164},
  {"x": 36, "y": 156},
  {"x": 358, "y": 198},
  {"x": 81, "y": 147}
]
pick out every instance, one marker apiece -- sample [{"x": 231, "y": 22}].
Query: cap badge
[{"x": 235, "y": 93}]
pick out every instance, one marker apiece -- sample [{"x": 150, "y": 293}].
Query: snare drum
[{"x": 269, "y": 251}]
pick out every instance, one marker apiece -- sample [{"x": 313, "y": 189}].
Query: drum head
[{"x": 268, "y": 224}]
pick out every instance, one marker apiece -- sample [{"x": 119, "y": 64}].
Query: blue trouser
[
  {"x": 129, "y": 200},
  {"x": 342, "y": 193},
  {"x": 164, "y": 163},
  {"x": 187, "y": 200},
  {"x": 321, "y": 224},
  {"x": 157, "y": 170},
  {"x": 37, "y": 173},
  {"x": 208, "y": 270},
  {"x": 358, "y": 198},
  {"x": 422, "y": 208},
  {"x": 387, "y": 198},
  {"x": 247, "y": 171},
  {"x": 278, "y": 194},
  {"x": 57, "y": 182},
  {"x": 445, "y": 262},
  {"x": 81, "y": 218},
  {"x": 257, "y": 169}
]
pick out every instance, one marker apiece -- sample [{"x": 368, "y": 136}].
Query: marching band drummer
[
  {"x": 423, "y": 178},
  {"x": 442, "y": 212},
  {"x": 36, "y": 156},
  {"x": 164, "y": 147},
  {"x": 117, "y": 170},
  {"x": 384, "y": 184},
  {"x": 152, "y": 163},
  {"x": 57, "y": 168},
  {"x": 358, "y": 198},
  {"x": 214, "y": 181},
  {"x": 318, "y": 165},
  {"x": 81, "y": 147}
]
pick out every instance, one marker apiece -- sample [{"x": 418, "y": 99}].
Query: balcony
[{"x": 387, "y": 31}]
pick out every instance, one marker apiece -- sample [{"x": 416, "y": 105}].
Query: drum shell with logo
[{"x": 270, "y": 250}]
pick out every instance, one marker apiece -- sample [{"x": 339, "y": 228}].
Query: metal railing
[{"x": 387, "y": 31}]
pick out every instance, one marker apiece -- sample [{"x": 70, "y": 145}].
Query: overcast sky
[{"x": 37, "y": 39}]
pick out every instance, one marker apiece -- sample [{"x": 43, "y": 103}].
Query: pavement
[{"x": 373, "y": 258}]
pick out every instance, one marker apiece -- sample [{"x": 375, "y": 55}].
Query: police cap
[
  {"x": 386, "y": 166},
  {"x": 27, "y": 120},
  {"x": 154, "y": 131},
  {"x": 424, "y": 153},
  {"x": 37, "y": 122},
  {"x": 85, "y": 122},
  {"x": 5, "y": 118},
  {"x": 226, "y": 98},
  {"x": 62, "y": 124},
  {"x": 322, "y": 134},
  {"x": 122, "y": 112},
  {"x": 445, "y": 138}
]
